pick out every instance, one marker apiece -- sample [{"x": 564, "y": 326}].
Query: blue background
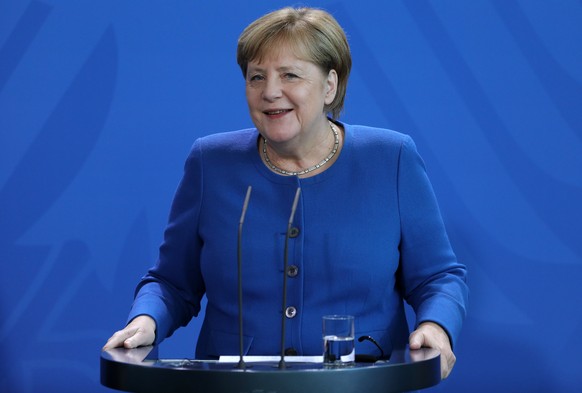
[{"x": 101, "y": 100}]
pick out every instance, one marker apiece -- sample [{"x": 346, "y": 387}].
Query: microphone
[
  {"x": 286, "y": 259},
  {"x": 241, "y": 363}
]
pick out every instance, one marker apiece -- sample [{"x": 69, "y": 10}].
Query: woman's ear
[{"x": 331, "y": 87}]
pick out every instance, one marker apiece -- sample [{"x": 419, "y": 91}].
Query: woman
[{"x": 367, "y": 232}]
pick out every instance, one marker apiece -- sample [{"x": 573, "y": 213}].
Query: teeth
[{"x": 276, "y": 112}]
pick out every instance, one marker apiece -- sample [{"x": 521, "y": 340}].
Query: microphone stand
[
  {"x": 282, "y": 364},
  {"x": 241, "y": 363}
]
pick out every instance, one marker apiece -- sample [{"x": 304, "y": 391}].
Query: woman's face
[{"x": 286, "y": 97}]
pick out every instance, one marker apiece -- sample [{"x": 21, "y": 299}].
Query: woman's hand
[
  {"x": 141, "y": 331},
  {"x": 432, "y": 335}
]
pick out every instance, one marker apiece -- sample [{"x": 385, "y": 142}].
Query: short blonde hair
[{"x": 312, "y": 33}]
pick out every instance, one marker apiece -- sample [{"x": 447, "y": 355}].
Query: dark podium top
[{"x": 140, "y": 370}]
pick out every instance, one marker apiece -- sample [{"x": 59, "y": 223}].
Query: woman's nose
[{"x": 272, "y": 89}]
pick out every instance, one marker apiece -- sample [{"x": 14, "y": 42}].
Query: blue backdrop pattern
[{"x": 100, "y": 102}]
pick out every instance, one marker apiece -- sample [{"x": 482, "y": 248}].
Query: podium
[{"x": 140, "y": 370}]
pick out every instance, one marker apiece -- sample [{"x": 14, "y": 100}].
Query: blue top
[{"x": 370, "y": 234}]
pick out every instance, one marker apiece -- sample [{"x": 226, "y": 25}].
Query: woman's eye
[
  {"x": 290, "y": 76},
  {"x": 256, "y": 77}
]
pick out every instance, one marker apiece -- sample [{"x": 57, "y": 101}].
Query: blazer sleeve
[
  {"x": 433, "y": 281},
  {"x": 172, "y": 290}
]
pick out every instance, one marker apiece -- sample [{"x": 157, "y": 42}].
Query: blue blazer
[{"x": 368, "y": 235}]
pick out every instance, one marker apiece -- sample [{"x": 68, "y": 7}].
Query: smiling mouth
[{"x": 277, "y": 112}]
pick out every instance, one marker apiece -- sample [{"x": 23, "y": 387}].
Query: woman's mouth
[{"x": 277, "y": 112}]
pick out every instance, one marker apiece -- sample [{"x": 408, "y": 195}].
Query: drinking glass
[{"x": 338, "y": 341}]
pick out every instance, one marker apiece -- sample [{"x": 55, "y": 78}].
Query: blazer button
[
  {"x": 290, "y": 312},
  {"x": 294, "y": 232},
  {"x": 292, "y": 271},
  {"x": 291, "y": 352}
]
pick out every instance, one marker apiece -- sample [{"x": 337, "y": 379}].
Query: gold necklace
[{"x": 307, "y": 170}]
